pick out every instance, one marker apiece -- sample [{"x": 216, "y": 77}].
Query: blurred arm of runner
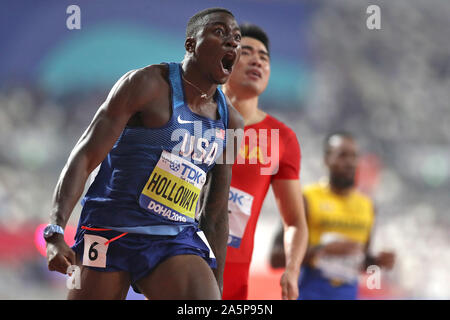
[
  {"x": 129, "y": 95},
  {"x": 214, "y": 218},
  {"x": 384, "y": 259},
  {"x": 295, "y": 237}
]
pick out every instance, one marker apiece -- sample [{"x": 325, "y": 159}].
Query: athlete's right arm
[
  {"x": 214, "y": 220},
  {"x": 131, "y": 92},
  {"x": 277, "y": 254}
]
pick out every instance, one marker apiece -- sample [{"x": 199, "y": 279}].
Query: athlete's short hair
[
  {"x": 253, "y": 31},
  {"x": 198, "y": 20},
  {"x": 330, "y": 136}
]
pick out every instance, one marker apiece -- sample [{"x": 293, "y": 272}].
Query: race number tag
[
  {"x": 239, "y": 209},
  {"x": 173, "y": 188},
  {"x": 339, "y": 269},
  {"x": 95, "y": 251}
]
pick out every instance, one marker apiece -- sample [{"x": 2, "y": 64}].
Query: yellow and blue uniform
[{"x": 332, "y": 215}]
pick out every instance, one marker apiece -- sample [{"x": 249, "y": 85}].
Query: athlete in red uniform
[{"x": 269, "y": 155}]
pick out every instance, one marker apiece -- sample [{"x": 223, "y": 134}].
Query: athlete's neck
[
  {"x": 341, "y": 191},
  {"x": 248, "y": 108},
  {"x": 196, "y": 84}
]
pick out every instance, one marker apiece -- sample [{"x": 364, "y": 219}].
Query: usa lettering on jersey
[{"x": 202, "y": 147}]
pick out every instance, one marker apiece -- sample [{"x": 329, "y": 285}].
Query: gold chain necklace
[{"x": 203, "y": 94}]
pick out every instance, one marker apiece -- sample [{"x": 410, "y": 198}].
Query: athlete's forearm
[
  {"x": 216, "y": 231},
  {"x": 292, "y": 209},
  {"x": 69, "y": 189},
  {"x": 295, "y": 244},
  {"x": 214, "y": 219}
]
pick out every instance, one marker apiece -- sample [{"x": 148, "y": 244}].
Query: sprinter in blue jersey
[{"x": 160, "y": 140}]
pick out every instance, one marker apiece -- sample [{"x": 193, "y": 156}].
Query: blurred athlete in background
[{"x": 340, "y": 222}]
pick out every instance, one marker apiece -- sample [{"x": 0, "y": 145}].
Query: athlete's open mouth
[
  {"x": 228, "y": 61},
  {"x": 254, "y": 72}
]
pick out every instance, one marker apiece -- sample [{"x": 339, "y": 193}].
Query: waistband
[{"x": 158, "y": 230}]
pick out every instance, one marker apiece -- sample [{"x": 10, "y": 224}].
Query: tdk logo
[
  {"x": 236, "y": 198},
  {"x": 192, "y": 174}
]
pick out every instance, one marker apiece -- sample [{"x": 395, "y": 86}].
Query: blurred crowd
[{"x": 389, "y": 87}]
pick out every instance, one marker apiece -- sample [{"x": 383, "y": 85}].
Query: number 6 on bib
[{"x": 95, "y": 251}]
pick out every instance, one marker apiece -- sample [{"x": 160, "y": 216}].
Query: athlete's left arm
[
  {"x": 214, "y": 218},
  {"x": 290, "y": 204},
  {"x": 385, "y": 259}
]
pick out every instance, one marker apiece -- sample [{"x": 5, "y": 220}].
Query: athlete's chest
[
  {"x": 349, "y": 215},
  {"x": 158, "y": 112},
  {"x": 260, "y": 151}
]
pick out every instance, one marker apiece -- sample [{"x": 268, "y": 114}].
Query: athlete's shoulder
[
  {"x": 142, "y": 82},
  {"x": 360, "y": 196},
  {"x": 235, "y": 120},
  {"x": 273, "y": 123},
  {"x": 151, "y": 76},
  {"x": 315, "y": 188},
  {"x": 136, "y": 90}
]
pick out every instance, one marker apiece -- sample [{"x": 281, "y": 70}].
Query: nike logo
[{"x": 180, "y": 121}]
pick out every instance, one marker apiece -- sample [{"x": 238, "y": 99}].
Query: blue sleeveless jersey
[{"x": 150, "y": 181}]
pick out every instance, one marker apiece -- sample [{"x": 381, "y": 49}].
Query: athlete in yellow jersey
[{"x": 340, "y": 222}]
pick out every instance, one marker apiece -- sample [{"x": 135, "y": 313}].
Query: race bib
[
  {"x": 173, "y": 188},
  {"x": 339, "y": 269},
  {"x": 239, "y": 209},
  {"x": 95, "y": 251}
]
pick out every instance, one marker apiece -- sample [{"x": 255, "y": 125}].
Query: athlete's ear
[{"x": 189, "y": 44}]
